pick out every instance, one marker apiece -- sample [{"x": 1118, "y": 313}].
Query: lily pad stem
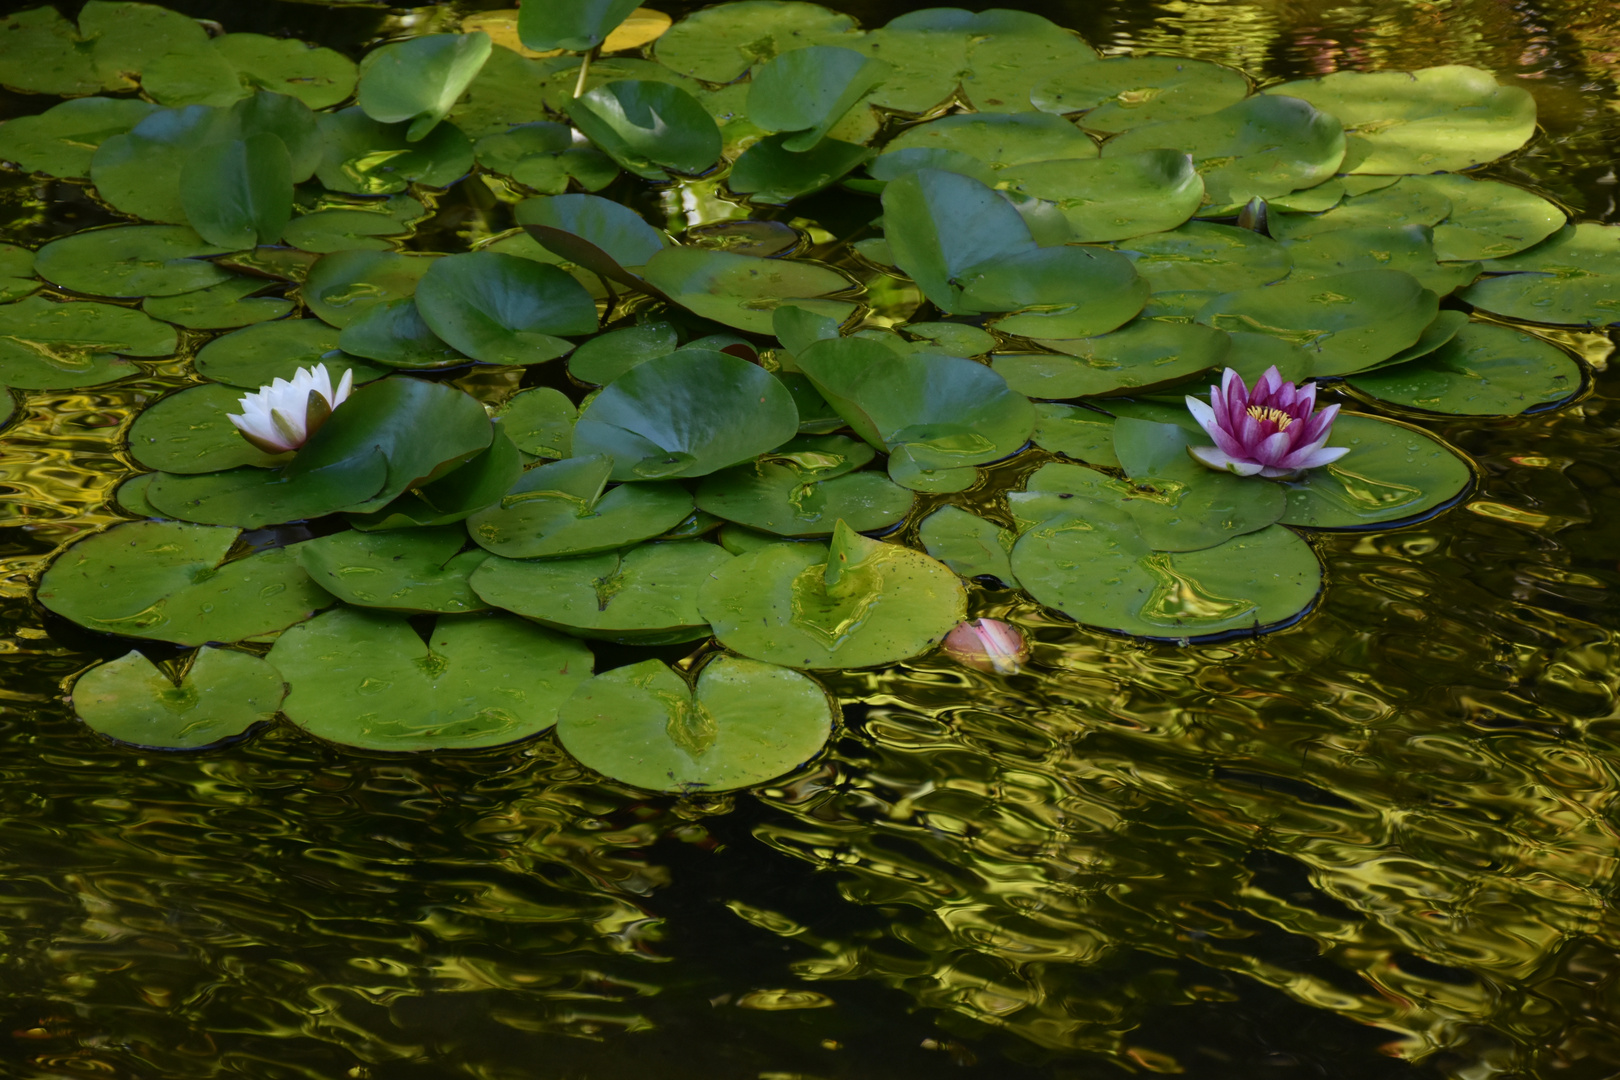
[{"x": 584, "y": 70}]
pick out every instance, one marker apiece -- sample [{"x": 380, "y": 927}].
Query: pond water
[{"x": 1379, "y": 844}]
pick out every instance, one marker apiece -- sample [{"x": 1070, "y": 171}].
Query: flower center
[{"x": 1276, "y": 416}]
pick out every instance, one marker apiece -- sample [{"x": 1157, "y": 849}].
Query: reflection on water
[{"x": 1387, "y": 834}]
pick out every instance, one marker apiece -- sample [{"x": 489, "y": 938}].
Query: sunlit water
[{"x": 1382, "y": 837}]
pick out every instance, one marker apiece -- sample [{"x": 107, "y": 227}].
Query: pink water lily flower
[
  {"x": 988, "y": 645},
  {"x": 1268, "y": 430}
]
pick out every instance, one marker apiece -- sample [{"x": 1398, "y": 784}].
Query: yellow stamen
[{"x": 1276, "y": 416}]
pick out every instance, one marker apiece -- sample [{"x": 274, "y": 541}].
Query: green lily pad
[
  {"x": 365, "y": 679},
  {"x": 941, "y": 412},
  {"x": 1483, "y": 371},
  {"x": 1392, "y": 473},
  {"x": 743, "y": 723},
  {"x": 418, "y": 80},
  {"x": 61, "y": 140},
  {"x": 1446, "y": 325},
  {"x": 1177, "y": 504},
  {"x": 1438, "y": 119},
  {"x": 1082, "y": 434},
  {"x": 563, "y": 509},
  {"x": 43, "y": 54},
  {"x": 968, "y": 544},
  {"x": 1201, "y": 255},
  {"x": 939, "y": 224},
  {"x": 342, "y": 230},
  {"x": 1147, "y": 352},
  {"x": 1570, "y": 279},
  {"x": 575, "y": 27},
  {"x": 28, "y": 366},
  {"x": 389, "y": 436},
  {"x": 187, "y": 432},
  {"x": 221, "y": 696},
  {"x": 805, "y": 488},
  {"x": 258, "y": 355},
  {"x": 502, "y": 309},
  {"x": 194, "y": 77},
  {"x": 998, "y": 140},
  {"x": 1409, "y": 201},
  {"x": 743, "y": 290},
  {"x": 540, "y": 422},
  {"x": 343, "y": 285},
  {"x": 130, "y": 496},
  {"x": 1012, "y": 52},
  {"x": 507, "y": 91},
  {"x": 219, "y": 307},
  {"x": 601, "y": 235},
  {"x": 720, "y": 43},
  {"x": 1409, "y": 248},
  {"x": 1250, "y": 583},
  {"x": 858, "y": 603},
  {"x": 453, "y": 497},
  {"x": 951, "y": 339},
  {"x": 771, "y": 173},
  {"x": 1117, "y": 196},
  {"x": 1346, "y": 322},
  {"x": 604, "y": 358},
  {"x": 238, "y": 194},
  {"x": 644, "y": 595},
  {"x": 1123, "y": 92},
  {"x": 394, "y": 333},
  {"x": 131, "y": 261},
  {"x": 1262, "y": 146},
  {"x": 320, "y": 78},
  {"x": 690, "y": 413},
  {"x": 805, "y": 91},
  {"x": 542, "y": 155},
  {"x": 362, "y": 156},
  {"x": 648, "y": 127},
  {"x": 414, "y": 570},
  {"x": 1056, "y": 292},
  {"x": 17, "y": 278},
  {"x": 1489, "y": 219},
  {"x": 62, "y": 329},
  {"x": 129, "y": 37},
  {"x": 170, "y": 581}
]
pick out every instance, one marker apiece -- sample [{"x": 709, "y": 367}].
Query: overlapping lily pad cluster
[{"x": 747, "y": 440}]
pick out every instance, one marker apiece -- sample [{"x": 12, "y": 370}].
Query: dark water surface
[{"x": 1379, "y": 845}]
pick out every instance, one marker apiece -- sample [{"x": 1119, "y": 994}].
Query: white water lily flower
[{"x": 282, "y": 416}]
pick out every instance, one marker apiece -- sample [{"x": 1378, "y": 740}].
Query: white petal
[
  {"x": 1324, "y": 456},
  {"x": 1202, "y": 413},
  {"x": 345, "y": 384}
]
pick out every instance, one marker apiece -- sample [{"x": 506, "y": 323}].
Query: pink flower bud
[{"x": 988, "y": 645}]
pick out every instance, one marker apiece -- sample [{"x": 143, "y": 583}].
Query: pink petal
[
  {"x": 1273, "y": 448},
  {"x": 1323, "y": 457},
  {"x": 1204, "y": 415}
]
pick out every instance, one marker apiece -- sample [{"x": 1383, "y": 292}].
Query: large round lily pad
[
  {"x": 1483, "y": 371},
  {"x": 502, "y": 309},
  {"x": 131, "y": 261},
  {"x": 1346, "y": 322},
  {"x": 718, "y": 44},
  {"x": 647, "y": 594},
  {"x": 1408, "y": 248},
  {"x": 648, "y": 127},
  {"x": 366, "y": 679},
  {"x": 1393, "y": 472},
  {"x": 1570, "y": 279},
  {"x": 1262, "y": 146},
  {"x": 1117, "y": 196},
  {"x": 742, "y": 724},
  {"x": 939, "y": 223},
  {"x": 1094, "y": 566},
  {"x": 413, "y": 570},
  {"x": 60, "y": 329},
  {"x": 364, "y": 157},
  {"x": 686, "y": 414},
  {"x": 1438, "y": 119},
  {"x": 188, "y": 432},
  {"x": 1056, "y": 292},
  {"x": 968, "y": 544},
  {"x": 1123, "y": 92},
  {"x": 1201, "y": 255},
  {"x": 540, "y": 421},
  {"x": 996, "y": 139},
  {"x": 805, "y": 488},
  {"x": 418, "y": 80},
  {"x": 258, "y": 355},
  {"x": 221, "y": 695},
  {"x": 858, "y": 603},
  {"x": 394, "y": 333},
  {"x": 1147, "y": 352},
  {"x": 743, "y": 290},
  {"x": 61, "y": 140},
  {"x": 562, "y": 509},
  {"x": 220, "y": 307},
  {"x": 169, "y": 581},
  {"x": 343, "y": 285}
]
